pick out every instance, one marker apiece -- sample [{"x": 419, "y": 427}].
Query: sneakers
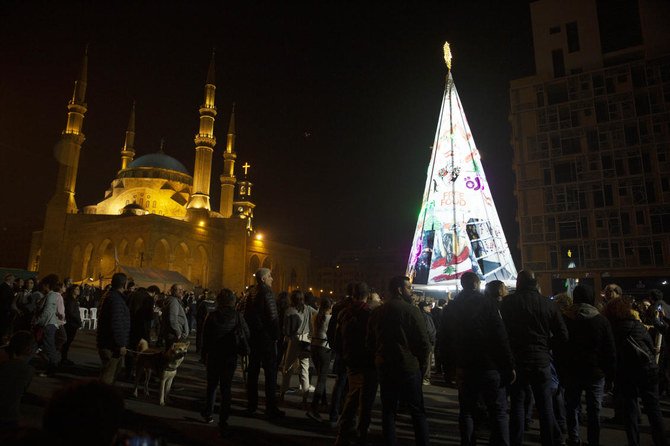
[
  {"x": 426, "y": 382},
  {"x": 208, "y": 419},
  {"x": 314, "y": 415}
]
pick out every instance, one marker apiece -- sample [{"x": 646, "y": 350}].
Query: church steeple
[
  {"x": 227, "y": 178},
  {"x": 244, "y": 207},
  {"x": 204, "y": 146},
  {"x": 128, "y": 150}
]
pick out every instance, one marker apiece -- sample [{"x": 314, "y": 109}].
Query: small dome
[{"x": 158, "y": 160}]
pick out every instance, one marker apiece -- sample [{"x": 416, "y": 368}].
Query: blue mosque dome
[{"x": 158, "y": 160}]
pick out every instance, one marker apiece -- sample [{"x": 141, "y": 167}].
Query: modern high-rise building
[{"x": 591, "y": 139}]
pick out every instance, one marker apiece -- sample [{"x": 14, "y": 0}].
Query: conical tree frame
[{"x": 458, "y": 227}]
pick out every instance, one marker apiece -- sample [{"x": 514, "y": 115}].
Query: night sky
[{"x": 337, "y": 105}]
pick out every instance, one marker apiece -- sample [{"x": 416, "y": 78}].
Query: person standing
[
  {"x": 397, "y": 335},
  {"x": 426, "y": 308},
  {"x": 174, "y": 324},
  {"x": 531, "y": 320},
  {"x": 141, "y": 308},
  {"x": 113, "y": 329},
  {"x": 73, "y": 319},
  {"x": 586, "y": 362},
  {"x": 261, "y": 316},
  {"x": 6, "y": 300},
  {"x": 339, "y": 368},
  {"x": 474, "y": 339},
  {"x": 636, "y": 377},
  {"x": 297, "y": 327},
  {"x": 219, "y": 351},
  {"x": 352, "y": 327},
  {"x": 47, "y": 321},
  {"x": 320, "y": 355}
]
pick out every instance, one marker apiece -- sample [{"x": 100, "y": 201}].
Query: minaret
[
  {"x": 62, "y": 202},
  {"x": 128, "y": 150},
  {"x": 204, "y": 146},
  {"x": 228, "y": 177},
  {"x": 244, "y": 207}
]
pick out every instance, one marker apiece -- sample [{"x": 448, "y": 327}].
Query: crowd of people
[{"x": 505, "y": 353}]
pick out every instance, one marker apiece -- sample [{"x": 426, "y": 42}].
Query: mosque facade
[{"x": 156, "y": 216}]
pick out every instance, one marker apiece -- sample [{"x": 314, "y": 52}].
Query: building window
[
  {"x": 565, "y": 172},
  {"x": 572, "y": 33},
  {"x": 558, "y": 62},
  {"x": 615, "y": 249},
  {"x": 645, "y": 255},
  {"x": 639, "y": 217},
  {"x": 658, "y": 253},
  {"x": 555, "y": 29}
]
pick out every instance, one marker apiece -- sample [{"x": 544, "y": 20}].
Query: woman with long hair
[
  {"x": 297, "y": 331},
  {"x": 320, "y": 355},
  {"x": 636, "y": 377},
  {"x": 72, "y": 319}
]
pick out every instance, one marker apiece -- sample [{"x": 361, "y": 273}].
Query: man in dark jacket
[
  {"x": 219, "y": 351},
  {"x": 352, "y": 327},
  {"x": 113, "y": 329},
  {"x": 141, "y": 307},
  {"x": 475, "y": 342},
  {"x": 397, "y": 334},
  {"x": 585, "y": 362},
  {"x": 531, "y": 320},
  {"x": 261, "y": 317},
  {"x": 339, "y": 368}
]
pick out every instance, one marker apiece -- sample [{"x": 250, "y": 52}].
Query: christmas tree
[{"x": 458, "y": 229}]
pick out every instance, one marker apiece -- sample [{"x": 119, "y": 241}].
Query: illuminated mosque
[{"x": 156, "y": 222}]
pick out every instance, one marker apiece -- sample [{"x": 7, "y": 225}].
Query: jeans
[
  {"x": 471, "y": 385},
  {"x": 220, "y": 374},
  {"x": 539, "y": 381},
  {"x": 359, "y": 401},
  {"x": 646, "y": 388},
  {"x": 339, "y": 388},
  {"x": 395, "y": 387},
  {"x": 49, "y": 347},
  {"x": 263, "y": 354},
  {"x": 594, "y": 390},
  {"x": 71, "y": 332},
  {"x": 321, "y": 359}
]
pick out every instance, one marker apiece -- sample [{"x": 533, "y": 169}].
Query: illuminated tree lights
[{"x": 458, "y": 228}]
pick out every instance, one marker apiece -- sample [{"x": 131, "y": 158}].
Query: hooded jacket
[
  {"x": 589, "y": 351},
  {"x": 472, "y": 334},
  {"x": 531, "y": 321},
  {"x": 398, "y": 336}
]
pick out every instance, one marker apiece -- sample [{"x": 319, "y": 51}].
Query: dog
[{"x": 163, "y": 363}]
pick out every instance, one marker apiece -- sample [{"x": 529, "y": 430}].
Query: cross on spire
[{"x": 246, "y": 167}]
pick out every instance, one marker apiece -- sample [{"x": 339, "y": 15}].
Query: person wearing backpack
[
  {"x": 637, "y": 372},
  {"x": 219, "y": 351}
]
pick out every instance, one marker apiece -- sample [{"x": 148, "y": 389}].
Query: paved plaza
[{"x": 179, "y": 423}]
